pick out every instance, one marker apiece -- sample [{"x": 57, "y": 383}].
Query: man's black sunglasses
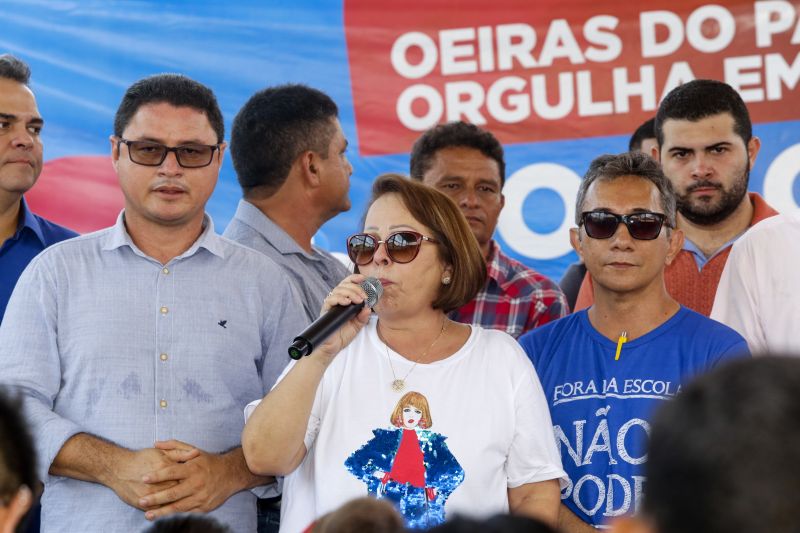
[{"x": 643, "y": 226}]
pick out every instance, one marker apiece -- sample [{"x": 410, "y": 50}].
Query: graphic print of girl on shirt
[{"x": 409, "y": 465}]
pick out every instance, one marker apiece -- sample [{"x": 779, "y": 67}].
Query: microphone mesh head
[{"x": 374, "y": 290}]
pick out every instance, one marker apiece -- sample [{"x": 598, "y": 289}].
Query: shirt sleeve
[
  {"x": 29, "y": 356},
  {"x": 737, "y": 300},
  {"x": 284, "y": 320},
  {"x": 533, "y": 455}
]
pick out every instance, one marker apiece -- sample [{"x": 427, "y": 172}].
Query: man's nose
[
  {"x": 468, "y": 198},
  {"x": 170, "y": 164},
  {"x": 22, "y": 137},
  {"x": 701, "y": 168},
  {"x": 622, "y": 239}
]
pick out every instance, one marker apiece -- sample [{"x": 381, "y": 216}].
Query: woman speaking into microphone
[{"x": 437, "y": 417}]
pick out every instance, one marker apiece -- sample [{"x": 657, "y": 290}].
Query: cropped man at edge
[
  {"x": 467, "y": 164},
  {"x": 23, "y": 234},
  {"x": 137, "y": 347}
]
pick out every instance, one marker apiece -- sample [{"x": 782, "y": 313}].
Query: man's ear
[
  {"x": 753, "y": 148},
  {"x": 675, "y": 245},
  {"x": 114, "y": 150},
  {"x": 575, "y": 241},
  {"x": 655, "y": 152},
  {"x": 222, "y": 146},
  {"x": 310, "y": 168}
]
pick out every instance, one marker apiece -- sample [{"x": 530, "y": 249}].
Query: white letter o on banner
[
  {"x": 429, "y": 55},
  {"x": 779, "y": 180},
  {"x": 511, "y": 224},
  {"x": 406, "y": 115}
]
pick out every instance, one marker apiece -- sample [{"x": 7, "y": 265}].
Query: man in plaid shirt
[{"x": 466, "y": 163}]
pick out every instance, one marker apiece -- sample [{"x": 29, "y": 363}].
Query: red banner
[{"x": 558, "y": 69}]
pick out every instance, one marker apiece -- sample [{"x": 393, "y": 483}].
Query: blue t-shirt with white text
[{"x": 601, "y": 407}]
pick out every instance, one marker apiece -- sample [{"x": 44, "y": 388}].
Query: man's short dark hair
[
  {"x": 646, "y": 131},
  {"x": 610, "y": 167},
  {"x": 15, "y": 69},
  {"x": 724, "y": 453},
  {"x": 174, "y": 89},
  {"x": 699, "y": 99},
  {"x": 273, "y": 128},
  {"x": 17, "y": 454},
  {"x": 455, "y": 135}
]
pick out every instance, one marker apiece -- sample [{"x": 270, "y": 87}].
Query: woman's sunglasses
[
  {"x": 401, "y": 246},
  {"x": 641, "y": 226}
]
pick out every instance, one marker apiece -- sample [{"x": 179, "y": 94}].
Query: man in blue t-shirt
[
  {"x": 604, "y": 369},
  {"x": 22, "y": 234}
]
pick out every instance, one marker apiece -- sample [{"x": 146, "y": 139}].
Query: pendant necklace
[{"x": 399, "y": 384}]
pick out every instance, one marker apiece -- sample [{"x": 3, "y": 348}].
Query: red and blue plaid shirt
[{"x": 515, "y": 298}]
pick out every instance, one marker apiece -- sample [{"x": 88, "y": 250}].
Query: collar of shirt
[
  {"x": 497, "y": 267},
  {"x": 208, "y": 239},
  {"x": 273, "y": 233},
  {"x": 28, "y": 220},
  {"x": 761, "y": 210},
  {"x": 700, "y": 258}
]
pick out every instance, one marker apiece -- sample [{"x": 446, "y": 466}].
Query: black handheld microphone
[{"x": 333, "y": 319}]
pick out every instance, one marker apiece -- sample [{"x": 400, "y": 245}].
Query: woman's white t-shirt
[{"x": 485, "y": 400}]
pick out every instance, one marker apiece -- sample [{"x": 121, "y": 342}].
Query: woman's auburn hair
[{"x": 454, "y": 239}]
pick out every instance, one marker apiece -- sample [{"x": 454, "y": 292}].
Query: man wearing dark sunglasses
[
  {"x": 606, "y": 368},
  {"x": 137, "y": 347},
  {"x": 642, "y": 140},
  {"x": 467, "y": 164},
  {"x": 290, "y": 156},
  {"x": 706, "y": 147}
]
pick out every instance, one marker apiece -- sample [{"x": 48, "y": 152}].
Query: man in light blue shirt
[
  {"x": 289, "y": 153},
  {"x": 137, "y": 347}
]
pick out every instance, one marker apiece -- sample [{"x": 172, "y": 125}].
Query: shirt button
[
  {"x": 163, "y": 404},
  {"x": 164, "y": 310},
  {"x": 165, "y": 270},
  {"x": 163, "y": 357}
]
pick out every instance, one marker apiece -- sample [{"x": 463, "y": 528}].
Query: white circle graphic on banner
[
  {"x": 511, "y": 225},
  {"x": 779, "y": 180}
]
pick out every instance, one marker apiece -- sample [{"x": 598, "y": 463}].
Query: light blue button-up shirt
[
  {"x": 314, "y": 274},
  {"x": 102, "y": 339}
]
